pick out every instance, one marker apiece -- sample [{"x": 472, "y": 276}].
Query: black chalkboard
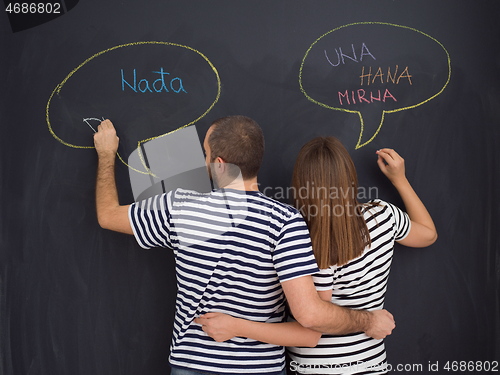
[{"x": 421, "y": 77}]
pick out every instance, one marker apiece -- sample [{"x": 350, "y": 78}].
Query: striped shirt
[
  {"x": 232, "y": 249},
  {"x": 359, "y": 284}
]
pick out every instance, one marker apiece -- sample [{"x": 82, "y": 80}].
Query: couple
[{"x": 241, "y": 255}]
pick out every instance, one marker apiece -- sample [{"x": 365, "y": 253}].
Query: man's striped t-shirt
[
  {"x": 233, "y": 249},
  {"x": 359, "y": 284}
]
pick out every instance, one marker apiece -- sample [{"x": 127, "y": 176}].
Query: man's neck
[{"x": 245, "y": 185}]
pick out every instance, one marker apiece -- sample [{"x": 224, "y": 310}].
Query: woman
[{"x": 353, "y": 245}]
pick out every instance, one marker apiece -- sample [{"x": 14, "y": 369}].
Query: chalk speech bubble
[
  {"x": 374, "y": 68},
  {"x": 148, "y": 89}
]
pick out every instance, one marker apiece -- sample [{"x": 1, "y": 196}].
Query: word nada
[{"x": 162, "y": 83}]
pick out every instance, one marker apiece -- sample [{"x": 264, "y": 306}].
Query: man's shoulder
[
  {"x": 255, "y": 200},
  {"x": 180, "y": 192},
  {"x": 278, "y": 208}
]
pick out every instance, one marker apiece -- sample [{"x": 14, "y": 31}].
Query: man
[{"x": 237, "y": 251}]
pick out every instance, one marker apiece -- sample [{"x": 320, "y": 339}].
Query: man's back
[{"x": 233, "y": 249}]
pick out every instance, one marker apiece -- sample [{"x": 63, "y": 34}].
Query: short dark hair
[{"x": 238, "y": 140}]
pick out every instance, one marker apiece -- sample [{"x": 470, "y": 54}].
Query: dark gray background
[{"x": 76, "y": 299}]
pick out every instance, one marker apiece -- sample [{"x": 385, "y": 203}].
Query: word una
[
  {"x": 362, "y": 96},
  {"x": 159, "y": 85},
  {"x": 379, "y": 75},
  {"x": 341, "y": 56}
]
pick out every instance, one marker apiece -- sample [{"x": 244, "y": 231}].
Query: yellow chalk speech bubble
[
  {"x": 342, "y": 58},
  {"x": 57, "y": 92}
]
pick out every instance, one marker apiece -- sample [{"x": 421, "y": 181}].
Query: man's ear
[
  {"x": 217, "y": 167},
  {"x": 220, "y": 164}
]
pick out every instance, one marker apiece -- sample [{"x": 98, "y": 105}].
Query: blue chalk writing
[{"x": 161, "y": 84}]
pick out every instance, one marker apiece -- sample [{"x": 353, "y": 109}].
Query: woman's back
[{"x": 359, "y": 284}]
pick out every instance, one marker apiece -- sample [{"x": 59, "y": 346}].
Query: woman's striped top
[{"x": 359, "y": 284}]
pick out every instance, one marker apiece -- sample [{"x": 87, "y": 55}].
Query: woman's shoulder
[
  {"x": 379, "y": 207},
  {"x": 383, "y": 211},
  {"x": 374, "y": 205}
]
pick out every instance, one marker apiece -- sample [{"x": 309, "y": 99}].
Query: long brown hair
[{"x": 325, "y": 186}]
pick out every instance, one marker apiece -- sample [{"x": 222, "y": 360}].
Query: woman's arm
[
  {"x": 222, "y": 327},
  {"x": 423, "y": 232}
]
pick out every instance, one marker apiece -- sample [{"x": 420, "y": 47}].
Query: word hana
[
  {"x": 379, "y": 75},
  {"x": 161, "y": 84}
]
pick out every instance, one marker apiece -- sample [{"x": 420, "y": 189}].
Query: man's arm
[
  {"x": 311, "y": 310},
  {"x": 314, "y": 313},
  {"x": 110, "y": 214}
]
